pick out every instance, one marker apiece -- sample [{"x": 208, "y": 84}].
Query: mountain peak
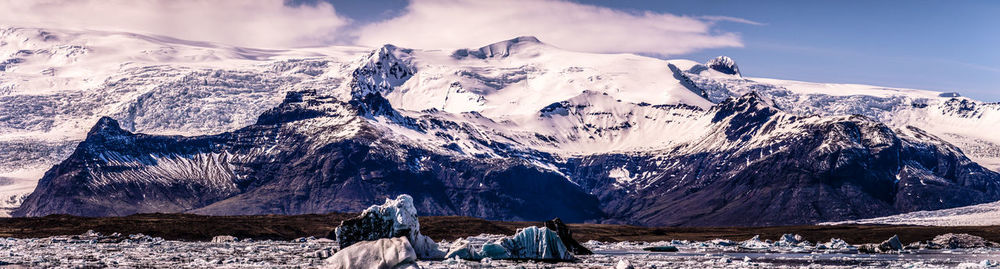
[
  {"x": 106, "y": 126},
  {"x": 499, "y": 49},
  {"x": 725, "y": 65},
  {"x": 299, "y": 105},
  {"x": 748, "y": 103}
]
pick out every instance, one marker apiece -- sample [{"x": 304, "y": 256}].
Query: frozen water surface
[{"x": 94, "y": 250}]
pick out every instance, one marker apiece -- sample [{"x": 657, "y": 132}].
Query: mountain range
[{"x": 515, "y": 130}]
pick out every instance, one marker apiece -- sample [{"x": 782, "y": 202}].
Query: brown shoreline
[{"x": 280, "y": 227}]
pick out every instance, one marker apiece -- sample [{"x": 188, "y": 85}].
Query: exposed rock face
[
  {"x": 566, "y": 236},
  {"x": 725, "y": 65},
  {"x": 395, "y": 218},
  {"x": 760, "y": 166},
  {"x": 312, "y": 154},
  {"x": 503, "y": 132},
  {"x": 386, "y": 253}
]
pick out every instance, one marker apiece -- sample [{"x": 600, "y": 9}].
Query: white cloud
[
  {"x": 432, "y": 24},
  {"x": 573, "y": 26},
  {"x": 255, "y": 23}
]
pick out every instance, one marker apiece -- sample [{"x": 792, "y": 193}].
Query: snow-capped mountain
[
  {"x": 311, "y": 154},
  {"x": 969, "y": 124},
  {"x": 55, "y": 84},
  {"x": 626, "y": 138}
]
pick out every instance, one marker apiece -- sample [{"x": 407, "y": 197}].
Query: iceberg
[
  {"x": 566, "y": 236},
  {"x": 755, "y": 244},
  {"x": 392, "y": 219},
  {"x": 624, "y": 264},
  {"x": 396, "y": 253},
  {"x": 224, "y": 239},
  {"x": 836, "y": 244},
  {"x": 890, "y": 245},
  {"x": 953, "y": 241},
  {"x": 531, "y": 243}
]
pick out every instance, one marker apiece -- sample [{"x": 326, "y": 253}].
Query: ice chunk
[
  {"x": 790, "y": 239},
  {"x": 755, "y": 244},
  {"x": 494, "y": 250},
  {"x": 624, "y": 264},
  {"x": 566, "y": 236},
  {"x": 531, "y": 243},
  {"x": 835, "y": 244},
  {"x": 392, "y": 219},
  {"x": 889, "y": 245},
  {"x": 461, "y": 249},
  {"x": 224, "y": 239},
  {"x": 536, "y": 244},
  {"x": 951, "y": 240},
  {"x": 383, "y": 253}
]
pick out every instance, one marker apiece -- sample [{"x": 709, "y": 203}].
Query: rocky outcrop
[{"x": 725, "y": 65}]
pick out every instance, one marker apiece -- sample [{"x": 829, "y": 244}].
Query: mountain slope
[
  {"x": 312, "y": 154},
  {"x": 752, "y": 165},
  {"x": 55, "y": 84},
  {"x": 966, "y": 123},
  {"x": 513, "y": 130},
  {"x": 760, "y": 166}
]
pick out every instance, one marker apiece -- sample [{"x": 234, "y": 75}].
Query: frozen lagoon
[{"x": 94, "y": 250}]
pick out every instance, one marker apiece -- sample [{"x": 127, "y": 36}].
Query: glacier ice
[
  {"x": 224, "y": 239},
  {"x": 384, "y": 253},
  {"x": 624, "y": 264},
  {"x": 396, "y": 217},
  {"x": 755, "y": 244},
  {"x": 531, "y": 243}
]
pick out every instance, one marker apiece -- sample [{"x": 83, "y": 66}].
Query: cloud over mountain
[
  {"x": 579, "y": 27},
  {"x": 252, "y": 23}
]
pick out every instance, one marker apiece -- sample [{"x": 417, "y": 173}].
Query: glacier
[{"x": 619, "y": 126}]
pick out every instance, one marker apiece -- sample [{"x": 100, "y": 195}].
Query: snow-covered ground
[
  {"x": 94, "y": 250},
  {"x": 987, "y": 214},
  {"x": 55, "y": 84},
  {"x": 520, "y": 93}
]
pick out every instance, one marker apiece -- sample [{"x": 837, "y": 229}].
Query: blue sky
[{"x": 937, "y": 45}]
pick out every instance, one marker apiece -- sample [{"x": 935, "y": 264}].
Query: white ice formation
[{"x": 386, "y": 253}]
